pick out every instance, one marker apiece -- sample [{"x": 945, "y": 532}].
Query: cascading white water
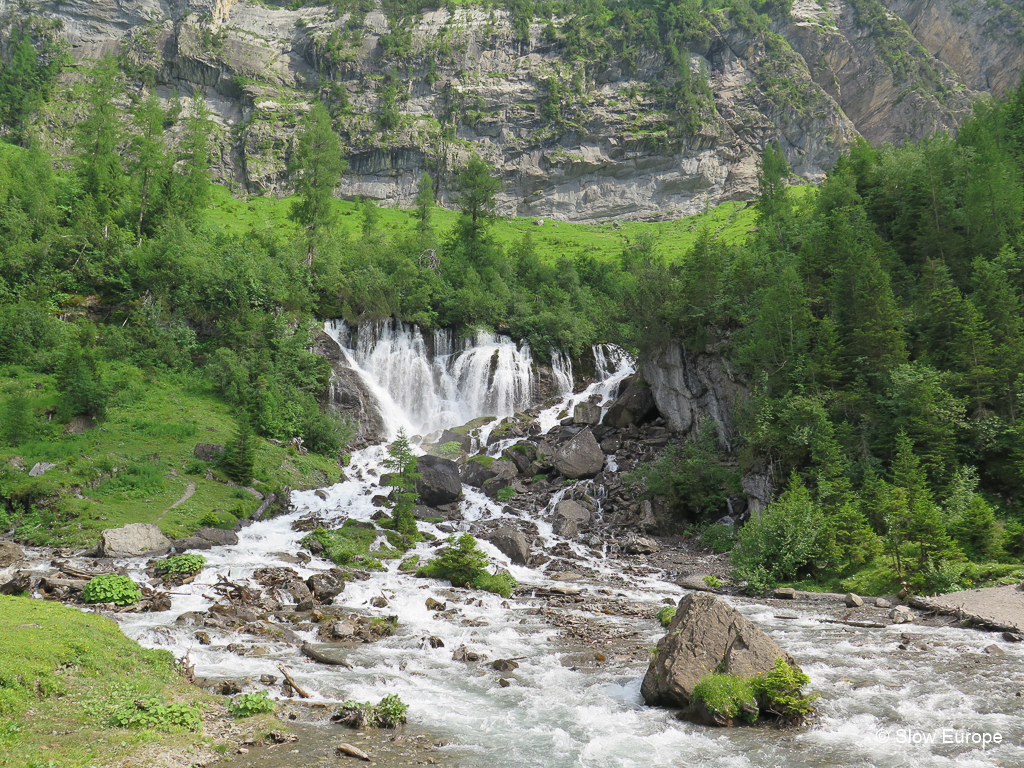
[
  {"x": 880, "y": 707},
  {"x": 422, "y": 388}
]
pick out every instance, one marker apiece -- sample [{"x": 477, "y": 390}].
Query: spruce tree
[
  {"x": 99, "y": 137},
  {"x": 316, "y": 167},
  {"x": 239, "y": 456},
  {"x": 424, "y": 203},
  {"x": 401, "y": 463},
  {"x": 923, "y": 523},
  {"x": 151, "y": 164}
]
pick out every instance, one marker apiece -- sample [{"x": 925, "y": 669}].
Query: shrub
[
  {"x": 111, "y": 588},
  {"x": 181, "y": 565},
  {"x": 409, "y": 564},
  {"x": 779, "y": 692},
  {"x": 777, "y": 544},
  {"x": 717, "y": 538},
  {"x": 499, "y": 583},
  {"x": 713, "y": 582},
  {"x": 154, "y": 714},
  {"x": 505, "y": 494},
  {"x": 218, "y": 518},
  {"x": 666, "y": 614},
  {"x": 249, "y": 704},
  {"x": 195, "y": 467},
  {"x": 459, "y": 561},
  {"x": 727, "y": 696},
  {"x": 388, "y": 713}
]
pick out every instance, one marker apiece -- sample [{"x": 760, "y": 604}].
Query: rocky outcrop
[
  {"x": 439, "y": 481},
  {"x": 133, "y": 540},
  {"x": 347, "y": 394},
  {"x": 689, "y": 388},
  {"x": 617, "y": 148},
  {"x": 10, "y": 553},
  {"x": 633, "y": 406},
  {"x": 579, "y": 457},
  {"x": 707, "y": 635}
]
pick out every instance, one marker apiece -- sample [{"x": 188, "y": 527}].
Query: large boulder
[
  {"x": 512, "y": 544},
  {"x": 570, "y": 517},
  {"x": 707, "y": 635},
  {"x": 10, "y": 553},
  {"x": 439, "y": 481},
  {"x": 218, "y": 536},
  {"x": 579, "y": 457},
  {"x": 133, "y": 540},
  {"x": 476, "y": 473},
  {"x": 192, "y": 542},
  {"x": 586, "y": 413},
  {"x": 451, "y": 436},
  {"x": 634, "y": 405}
]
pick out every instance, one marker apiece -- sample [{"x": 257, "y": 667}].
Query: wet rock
[
  {"x": 511, "y": 543},
  {"x": 133, "y": 540},
  {"x": 587, "y": 414},
  {"x": 1013, "y": 637},
  {"x": 784, "y": 593},
  {"x": 451, "y": 436},
  {"x": 435, "y": 641},
  {"x": 343, "y": 629},
  {"x": 10, "y": 553},
  {"x": 423, "y": 512},
  {"x": 475, "y": 473},
  {"x": 462, "y": 653},
  {"x": 901, "y": 614},
  {"x": 326, "y": 586},
  {"x": 504, "y": 665},
  {"x": 439, "y": 481},
  {"x": 693, "y": 581},
  {"x": 881, "y": 602},
  {"x": 504, "y": 682},
  {"x": 321, "y": 494},
  {"x": 706, "y": 635},
  {"x": 190, "y": 543},
  {"x": 202, "y": 637},
  {"x": 379, "y": 602},
  {"x": 994, "y": 650},
  {"x": 227, "y": 688},
  {"x": 545, "y": 454},
  {"x": 208, "y": 451},
  {"x": 634, "y": 405},
  {"x": 579, "y": 457},
  {"x": 912, "y": 643},
  {"x": 268, "y": 679},
  {"x": 494, "y": 486},
  {"x": 218, "y": 536},
  {"x": 610, "y": 445},
  {"x": 435, "y": 605},
  {"x": 521, "y": 455},
  {"x": 853, "y": 601},
  {"x": 570, "y": 517},
  {"x": 19, "y": 582}
]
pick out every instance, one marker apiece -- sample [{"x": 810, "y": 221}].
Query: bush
[
  {"x": 499, "y": 583},
  {"x": 249, "y": 704},
  {"x": 181, "y": 565},
  {"x": 388, "y": 713},
  {"x": 453, "y": 448},
  {"x": 727, "y": 696},
  {"x": 713, "y": 582},
  {"x": 666, "y": 614},
  {"x": 111, "y": 588},
  {"x": 505, "y": 494},
  {"x": 777, "y": 544},
  {"x": 154, "y": 714},
  {"x": 218, "y": 518},
  {"x": 196, "y": 467},
  {"x": 459, "y": 561},
  {"x": 779, "y": 693},
  {"x": 717, "y": 538}
]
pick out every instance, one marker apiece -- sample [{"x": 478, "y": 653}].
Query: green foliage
[
  {"x": 316, "y": 168},
  {"x": 717, "y": 538},
  {"x": 155, "y": 714},
  {"x": 389, "y": 712},
  {"x": 713, "y": 582},
  {"x": 499, "y": 583},
  {"x": 350, "y": 545},
  {"x": 249, "y": 704},
  {"x": 666, "y": 614},
  {"x": 776, "y": 544},
  {"x": 449, "y": 449},
  {"x": 181, "y": 565},
  {"x": 505, "y": 494},
  {"x": 239, "y": 457},
  {"x": 218, "y": 518},
  {"x": 779, "y": 692},
  {"x": 110, "y": 588},
  {"x": 727, "y": 696},
  {"x": 459, "y": 560},
  {"x": 401, "y": 463}
]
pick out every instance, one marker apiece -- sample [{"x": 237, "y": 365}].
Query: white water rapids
[{"x": 879, "y": 706}]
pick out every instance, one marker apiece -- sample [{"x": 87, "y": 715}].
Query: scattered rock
[
  {"x": 784, "y": 593},
  {"x": 641, "y": 545},
  {"x": 439, "y": 481},
  {"x": 202, "y": 637},
  {"x": 1013, "y": 637},
  {"x": 586, "y": 414},
  {"x": 435, "y": 605},
  {"x": 379, "y": 602},
  {"x": 504, "y": 665},
  {"x": 133, "y": 540},
  {"x": 326, "y": 586},
  {"x": 435, "y": 641},
  {"x": 853, "y": 601},
  {"x": 451, "y": 436},
  {"x": 347, "y": 750},
  {"x": 192, "y": 542},
  {"x": 41, "y": 468},
  {"x": 475, "y": 474},
  {"x": 693, "y": 581},
  {"x": 268, "y": 679},
  {"x": 580, "y": 457},
  {"x": 706, "y": 635},
  {"x": 504, "y": 682},
  {"x": 512, "y": 544},
  {"x": 10, "y": 553},
  {"x": 881, "y": 602},
  {"x": 17, "y": 462},
  {"x": 80, "y": 425},
  {"x": 462, "y": 653},
  {"x": 912, "y": 643},
  {"x": 994, "y": 650},
  {"x": 570, "y": 516},
  {"x": 227, "y": 688},
  {"x": 321, "y": 494},
  {"x": 207, "y": 451},
  {"x": 218, "y": 536},
  {"x": 901, "y": 614}
]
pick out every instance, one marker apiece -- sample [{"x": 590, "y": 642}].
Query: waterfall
[
  {"x": 426, "y": 384},
  {"x": 561, "y": 366}
]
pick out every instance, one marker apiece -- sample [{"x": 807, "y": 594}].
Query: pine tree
[
  {"x": 774, "y": 202},
  {"x": 239, "y": 456},
  {"x": 17, "y": 423},
  {"x": 81, "y": 388},
  {"x": 401, "y": 463},
  {"x": 316, "y": 168},
  {"x": 151, "y": 164},
  {"x": 425, "y": 203},
  {"x": 477, "y": 188},
  {"x": 99, "y": 138},
  {"x": 924, "y": 525},
  {"x": 193, "y": 186}
]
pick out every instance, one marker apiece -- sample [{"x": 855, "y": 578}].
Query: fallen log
[
  {"x": 848, "y": 623},
  {"x": 310, "y": 651},
  {"x": 350, "y": 751}
]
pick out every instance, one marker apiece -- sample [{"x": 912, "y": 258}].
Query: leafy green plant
[
  {"x": 780, "y": 692},
  {"x": 499, "y": 583},
  {"x": 727, "y": 696},
  {"x": 713, "y": 582},
  {"x": 111, "y": 588},
  {"x": 157, "y": 715},
  {"x": 389, "y": 712},
  {"x": 666, "y": 614},
  {"x": 505, "y": 494},
  {"x": 717, "y": 538},
  {"x": 181, "y": 565},
  {"x": 249, "y": 704}
]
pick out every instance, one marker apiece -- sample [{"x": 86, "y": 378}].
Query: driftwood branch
[{"x": 291, "y": 681}]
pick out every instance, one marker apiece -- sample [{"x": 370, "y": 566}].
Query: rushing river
[{"x": 879, "y": 706}]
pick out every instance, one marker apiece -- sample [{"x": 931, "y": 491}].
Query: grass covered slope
[
  {"x": 65, "y": 674},
  {"x": 136, "y": 464}
]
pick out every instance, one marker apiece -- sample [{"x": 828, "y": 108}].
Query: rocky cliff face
[{"x": 573, "y": 140}]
